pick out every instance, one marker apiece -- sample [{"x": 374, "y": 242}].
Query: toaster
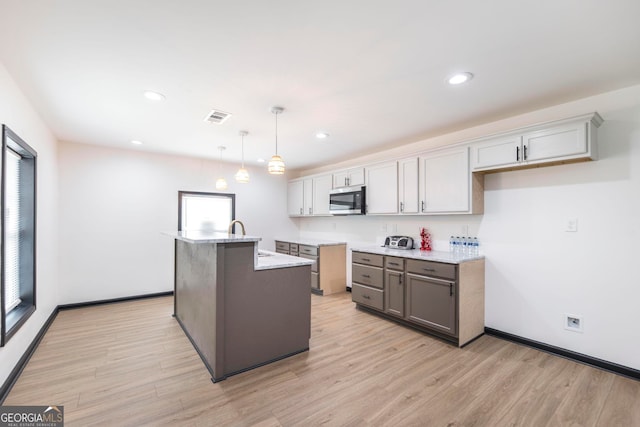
[{"x": 398, "y": 242}]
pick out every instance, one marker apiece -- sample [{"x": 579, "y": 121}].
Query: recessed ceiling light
[
  {"x": 459, "y": 78},
  {"x": 322, "y": 135},
  {"x": 153, "y": 96},
  {"x": 136, "y": 142},
  {"x": 260, "y": 160}
]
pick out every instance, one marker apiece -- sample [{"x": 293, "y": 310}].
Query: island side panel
[
  {"x": 333, "y": 268},
  {"x": 470, "y": 301},
  {"x": 267, "y": 312},
  {"x": 196, "y": 299}
]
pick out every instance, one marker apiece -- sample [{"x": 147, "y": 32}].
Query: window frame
[{"x": 11, "y": 322}]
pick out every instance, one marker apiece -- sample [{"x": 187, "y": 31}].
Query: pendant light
[
  {"x": 221, "y": 183},
  {"x": 242, "y": 175},
  {"x": 276, "y": 164}
]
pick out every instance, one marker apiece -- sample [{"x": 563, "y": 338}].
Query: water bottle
[
  {"x": 457, "y": 243},
  {"x": 475, "y": 247},
  {"x": 466, "y": 240},
  {"x": 452, "y": 245}
]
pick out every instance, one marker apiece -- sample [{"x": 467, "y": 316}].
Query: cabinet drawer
[
  {"x": 293, "y": 247},
  {"x": 394, "y": 263},
  {"x": 283, "y": 246},
  {"x": 367, "y": 275},
  {"x": 367, "y": 296},
  {"x": 368, "y": 259},
  {"x": 307, "y": 250},
  {"x": 430, "y": 268}
]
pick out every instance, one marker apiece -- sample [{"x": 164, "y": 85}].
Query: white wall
[
  {"x": 115, "y": 203},
  {"x": 17, "y": 113},
  {"x": 535, "y": 271}
]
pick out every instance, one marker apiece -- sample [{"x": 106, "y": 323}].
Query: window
[
  {"x": 205, "y": 211},
  {"x": 18, "y": 237}
]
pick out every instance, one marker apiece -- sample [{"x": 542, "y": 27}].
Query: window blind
[{"x": 12, "y": 231}]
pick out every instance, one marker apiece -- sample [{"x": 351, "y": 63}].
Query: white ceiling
[{"x": 371, "y": 73}]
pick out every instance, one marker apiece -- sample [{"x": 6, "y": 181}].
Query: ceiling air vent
[{"x": 217, "y": 117}]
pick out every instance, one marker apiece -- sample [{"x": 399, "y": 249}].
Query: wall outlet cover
[{"x": 573, "y": 323}]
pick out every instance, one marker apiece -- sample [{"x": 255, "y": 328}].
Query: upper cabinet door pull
[
  {"x": 524, "y": 154},
  {"x": 518, "y": 153}
]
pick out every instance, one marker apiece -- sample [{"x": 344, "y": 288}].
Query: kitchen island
[{"x": 239, "y": 306}]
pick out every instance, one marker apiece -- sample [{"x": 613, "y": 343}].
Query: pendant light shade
[
  {"x": 276, "y": 164},
  {"x": 221, "y": 183},
  {"x": 242, "y": 175}
]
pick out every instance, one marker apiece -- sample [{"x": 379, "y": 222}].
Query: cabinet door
[
  {"x": 321, "y": 187},
  {"x": 431, "y": 302},
  {"x": 556, "y": 142},
  {"x": 307, "y": 194},
  {"x": 356, "y": 177},
  {"x": 496, "y": 153},
  {"x": 348, "y": 178},
  {"x": 295, "y": 198},
  {"x": 445, "y": 178},
  {"x": 408, "y": 193},
  {"x": 394, "y": 293},
  {"x": 340, "y": 179},
  {"x": 382, "y": 188}
]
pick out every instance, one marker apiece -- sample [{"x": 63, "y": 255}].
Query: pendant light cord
[
  {"x": 277, "y": 134},
  {"x": 242, "y": 151}
]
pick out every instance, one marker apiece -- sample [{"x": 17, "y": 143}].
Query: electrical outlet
[
  {"x": 573, "y": 323},
  {"x": 572, "y": 225},
  {"x": 383, "y": 227}
]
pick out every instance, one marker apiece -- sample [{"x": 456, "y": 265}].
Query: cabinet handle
[
  {"x": 401, "y": 207},
  {"x": 400, "y": 279},
  {"x": 366, "y": 276},
  {"x": 301, "y": 211},
  {"x": 429, "y": 269},
  {"x": 422, "y": 206},
  {"x": 524, "y": 154},
  {"x": 366, "y": 259},
  {"x": 310, "y": 211},
  {"x": 393, "y": 263},
  {"x": 518, "y": 153},
  {"x": 366, "y": 297},
  {"x": 450, "y": 289}
]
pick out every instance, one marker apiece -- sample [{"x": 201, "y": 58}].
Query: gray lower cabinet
[
  {"x": 441, "y": 298},
  {"x": 394, "y": 286},
  {"x": 431, "y": 302},
  {"x": 329, "y": 269}
]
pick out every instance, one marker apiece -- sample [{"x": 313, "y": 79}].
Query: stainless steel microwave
[{"x": 348, "y": 201}]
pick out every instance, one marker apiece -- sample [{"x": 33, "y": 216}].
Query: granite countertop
[
  {"x": 312, "y": 242},
  {"x": 437, "y": 256},
  {"x": 197, "y": 236},
  {"x": 267, "y": 260}
]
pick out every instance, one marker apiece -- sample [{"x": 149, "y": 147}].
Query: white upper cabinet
[
  {"x": 321, "y": 188},
  {"x": 348, "y": 178},
  {"x": 382, "y": 188},
  {"x": 295, "y": 198},
  {"x": 309, "y": 196},
  {"x": 408, "y": 193},
  {"x": 567, "y": 140},
  {"x": 445, "y": 181}
]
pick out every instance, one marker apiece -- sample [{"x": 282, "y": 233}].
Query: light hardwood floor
[{"x": 130, "y": 364}]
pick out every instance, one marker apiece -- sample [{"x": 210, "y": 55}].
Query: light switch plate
[{"x": 572, "y": 225}]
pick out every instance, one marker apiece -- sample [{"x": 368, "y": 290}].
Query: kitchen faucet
[{"x": 241, "y": 226}]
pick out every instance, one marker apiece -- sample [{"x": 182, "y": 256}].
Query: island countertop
[{"x": 262, "y": 260}]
